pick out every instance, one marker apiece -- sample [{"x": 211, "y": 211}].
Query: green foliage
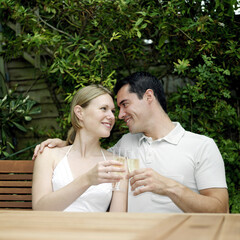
[
  {"x": 97, "y": 41},
  {"x": 204, "y": 108},
  {"x": 15, "y": 111}
]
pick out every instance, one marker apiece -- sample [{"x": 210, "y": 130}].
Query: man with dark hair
[
  {"x": 139, "y": 82},
  {"x": 179, "y": 171}
]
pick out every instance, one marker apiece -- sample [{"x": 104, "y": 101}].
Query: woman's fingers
[{"x": 110, "y": 171}]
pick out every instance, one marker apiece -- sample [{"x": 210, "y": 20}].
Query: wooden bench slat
[
  {"x": 12, "y": 176},
  {"x": 15, "y": 184},
  {"x": 16, "y": 197},
  {"x": 16, "y": 166},
  {"x": 15, "y": 190},
  {"x": 15, "y": 204}
]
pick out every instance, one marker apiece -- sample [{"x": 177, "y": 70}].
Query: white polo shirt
[{"x": 191, "y": 159}]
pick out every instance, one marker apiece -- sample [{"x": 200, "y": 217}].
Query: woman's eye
[{"x": 104, "y": 108}]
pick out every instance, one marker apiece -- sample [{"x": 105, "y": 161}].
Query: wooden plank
[
  {"x": 48, "y": 122},
  {"x": 15, "y": 204},
  {"x": 47, "y": 110},
  {"x": 163, "y": 228},
  {"x": 231, "y": 228},
  {"x": 16, "y": 197},
  {"x": 27, "y": 82},
  {"x": 16, "y": 183},
  {"x": 18, "y": 63},
  {"x": 41, "y": 96},
  {"x": 16, "y": 166},
  {"x": 16, "y": 190},
  {"x": 120, "y": 226},
  {"x": 25, "y": 85},
  {"x": 23, "y": 74},
  {"x": 197, "y": 228},
  {"x": 15, "y": 176}
]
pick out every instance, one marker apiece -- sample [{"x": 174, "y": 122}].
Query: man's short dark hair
[{"x": 139, "y": 82}]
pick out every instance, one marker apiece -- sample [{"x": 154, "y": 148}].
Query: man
[{"x": 180, "y": 171}]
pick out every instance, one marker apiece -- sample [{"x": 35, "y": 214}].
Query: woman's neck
[{"x": 86, "y": 145}]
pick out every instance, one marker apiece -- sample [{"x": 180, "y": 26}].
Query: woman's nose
[{"x": 111, "y": 115}]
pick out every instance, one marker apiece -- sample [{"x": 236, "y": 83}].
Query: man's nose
[{"x": 121, "y": 113}]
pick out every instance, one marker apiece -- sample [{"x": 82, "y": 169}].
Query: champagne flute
[
  {"x": 119, "y": 155},
  {"x": 132, "y": 160},
  {"x": 133, "y": 164}
]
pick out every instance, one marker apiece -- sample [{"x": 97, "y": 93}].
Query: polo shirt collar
[{"x": 173, "y": 137}]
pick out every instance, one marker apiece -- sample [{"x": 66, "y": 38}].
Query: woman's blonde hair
[{"x": 82, "y": 98}]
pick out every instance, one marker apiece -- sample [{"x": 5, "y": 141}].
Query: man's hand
[
  {"x": 51, "y": 143},
  {"x": 212, "y": 200},
  {"x": 147, "y": 180}
]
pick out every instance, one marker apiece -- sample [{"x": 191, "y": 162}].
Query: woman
[{"x": 79, "y": 177}]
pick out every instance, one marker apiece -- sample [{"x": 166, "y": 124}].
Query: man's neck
[{"x": 160, "y": 128}]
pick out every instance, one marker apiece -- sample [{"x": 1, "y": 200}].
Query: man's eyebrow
[{"x": 124, "y": 100}]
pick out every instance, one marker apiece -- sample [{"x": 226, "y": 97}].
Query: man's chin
[{"x": 132, "y": 130}]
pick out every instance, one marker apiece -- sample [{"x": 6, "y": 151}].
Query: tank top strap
[
  {"x": 103, "y": 155},
  {"x": 68, "y": 150}
]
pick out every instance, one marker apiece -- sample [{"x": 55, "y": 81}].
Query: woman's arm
[{"x": 120, "y": 198}]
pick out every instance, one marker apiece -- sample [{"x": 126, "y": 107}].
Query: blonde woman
[{"x": 79, "y": 177}]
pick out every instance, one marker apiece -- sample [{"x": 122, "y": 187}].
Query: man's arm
[
  {"x": 51, "y": 143},
  {"x": 212, "y": 200}
]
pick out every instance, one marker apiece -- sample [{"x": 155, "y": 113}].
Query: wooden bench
[{"x": 16, "y": 184}]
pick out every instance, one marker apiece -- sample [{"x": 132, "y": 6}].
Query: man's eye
[{"x": 104, "y": 108}]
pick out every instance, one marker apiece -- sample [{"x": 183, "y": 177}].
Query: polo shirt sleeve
[{"x": 209, "y": 168}]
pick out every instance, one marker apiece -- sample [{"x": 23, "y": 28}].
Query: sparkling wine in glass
[
  {"x": 119, "y": 155},
  {"x": 132, "y": 161}
]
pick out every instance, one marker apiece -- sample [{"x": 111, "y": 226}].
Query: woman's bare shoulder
[{"x": 53, "y": 153}]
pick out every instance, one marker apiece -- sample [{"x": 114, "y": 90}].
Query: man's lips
[{"x": 127, "y": 120}]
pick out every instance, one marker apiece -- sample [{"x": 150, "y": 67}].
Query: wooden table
[{"x": 37, "y": 225}]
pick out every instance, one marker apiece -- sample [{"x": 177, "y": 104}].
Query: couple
[{"x": 180, "y": 171}]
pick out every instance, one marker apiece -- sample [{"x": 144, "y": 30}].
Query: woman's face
[{"x": 98, "y": 117}]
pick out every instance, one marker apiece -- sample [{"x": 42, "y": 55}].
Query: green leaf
[
  {"x": 20, "y": 127},
  {"x": 138, "y": 22},
  {"x": 139, "y": 34},
  {"x": 54, "y": 70},
  {"x": 10, "y": 144},
  {"x": 27, "y": 118},
  {"x": 144, "y": 26}
]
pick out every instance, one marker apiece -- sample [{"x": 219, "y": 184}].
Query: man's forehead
[{"x": 122, "y": 93}]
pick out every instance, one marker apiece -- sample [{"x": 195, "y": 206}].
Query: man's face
[{"x": 132, "y": 109}]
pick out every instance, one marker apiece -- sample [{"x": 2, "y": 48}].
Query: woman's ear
[
  {"x": 78, "y": 110},
  {"x": 149, "y": 95}
]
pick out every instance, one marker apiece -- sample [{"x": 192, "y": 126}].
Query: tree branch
[{"x": 49, "y": 25}]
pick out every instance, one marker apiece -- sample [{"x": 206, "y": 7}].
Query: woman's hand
[
  {"x": 105, "y": 172},
  {"x": 51, "y": 143}
]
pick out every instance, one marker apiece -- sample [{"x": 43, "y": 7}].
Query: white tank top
[{"x": 95, "y": 199}]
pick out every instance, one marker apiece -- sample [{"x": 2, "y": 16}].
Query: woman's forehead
[{"x": 104, "y": 99}]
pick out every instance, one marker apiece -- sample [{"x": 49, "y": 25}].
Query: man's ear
[
  {"x": 78, "y": 110},
  {"x": 149, "y": 95}
]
